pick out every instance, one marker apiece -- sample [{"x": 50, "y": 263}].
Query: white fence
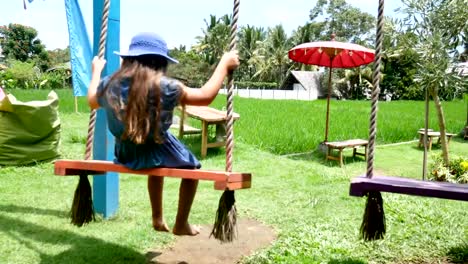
[{"x": 274, "y": 94}]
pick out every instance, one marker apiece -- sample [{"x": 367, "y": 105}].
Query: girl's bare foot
[
  {"x": 160, "y": 225},
  {"x": 186, "y": 230}
]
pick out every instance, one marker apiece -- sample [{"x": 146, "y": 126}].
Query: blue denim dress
[{"x": 171, "y": 153}]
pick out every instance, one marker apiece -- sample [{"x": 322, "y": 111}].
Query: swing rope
[
  {"x": 224, "y": 227},
  {"x": 373, "y": 224},
  {"x": 102, "y": 50},
  {"x": 375, "y": 90},
  {"x": 82, "y": 210},
  {"x": 230, "y": 95}
]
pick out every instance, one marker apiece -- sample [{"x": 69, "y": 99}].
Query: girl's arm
[
  {"x": 97, "y": 67},
  {"x": 206, "y": 94}
]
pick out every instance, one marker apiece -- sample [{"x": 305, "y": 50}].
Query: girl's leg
[
  {"x": 187, "y": 191},
  {"x": 155, "y": 190}
]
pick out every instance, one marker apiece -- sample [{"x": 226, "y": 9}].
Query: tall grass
[{"x": 291, "y": 126}]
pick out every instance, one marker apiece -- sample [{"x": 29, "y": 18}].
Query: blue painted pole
[{"x": 106, "y": 188}]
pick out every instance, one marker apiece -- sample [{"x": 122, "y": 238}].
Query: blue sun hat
[{"x": 147, "y": 43}]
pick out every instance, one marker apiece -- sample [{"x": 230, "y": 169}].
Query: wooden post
[
  {"x": 76, "y": 104},
  {"x": 204, "y": 139},
  {"x": 426, "y": 127},
  {"x": 182, "y": 122},
  {"x": 106, "y": 188},
  {"x": 328, "y": 103}
]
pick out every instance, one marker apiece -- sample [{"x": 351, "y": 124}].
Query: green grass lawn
[{"x": 304, "y": 198}]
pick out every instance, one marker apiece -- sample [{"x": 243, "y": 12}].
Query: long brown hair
[{"x": 143, "y": 107}]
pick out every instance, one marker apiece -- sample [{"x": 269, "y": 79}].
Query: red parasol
[{"x": 332, "y": 54}]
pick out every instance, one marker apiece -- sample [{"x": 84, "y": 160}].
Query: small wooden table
[
  {"x": 208, "y": 116},
  {"x": 341, "y": 145},
  {"x": 430, "y": 136}
]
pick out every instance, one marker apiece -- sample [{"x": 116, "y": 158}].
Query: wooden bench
[
  {"x": 208, "y": 117},
  {"x": 430, "y": 136},
  {"x": 341, "y": 145},
  {"x": 183, "y": 128}
]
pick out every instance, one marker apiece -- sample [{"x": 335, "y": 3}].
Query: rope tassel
[
  {"x": 224, "y": 228},
  {"x": 225, "y": 225},
  {"x": 82, "y": 211},
  {"x": 373, "y": 222}
]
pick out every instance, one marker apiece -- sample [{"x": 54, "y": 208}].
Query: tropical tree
[
  {"x": 400, "y": 62},
  {"x": 59, "y": 56},
  {"x": 302, "y": 34},
  {"x": 192, "y": 69},
  {"x": 356, "y": 83},
  {"x": 349, "y": 23},
  {"x": 440, "y": 26},
  {"x": 250, "y": 38},
  {"x": 274, "y": 63},
  {"x": 20, "y": 43},
  {"x": 215, "y": 39}
]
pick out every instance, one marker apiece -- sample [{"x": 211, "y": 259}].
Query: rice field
[{"x": 292, "y": 126}]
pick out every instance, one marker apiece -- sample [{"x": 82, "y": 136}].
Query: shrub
[
  {"x": 55, "y": 80},
  {"x": 25, "y": 75},
  {"x": 456, "y": 171},
  {"x": 20, "y": 75}
]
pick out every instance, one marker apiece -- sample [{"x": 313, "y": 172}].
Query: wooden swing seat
[
  {"x": 360, "y": 186},
  {"x": 222, "y": 180}
]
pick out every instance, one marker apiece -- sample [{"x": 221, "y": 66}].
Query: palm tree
[
  {"x": 215, "y": 39},
  {"x": 303, "y": 34},
  {"x": 249, "y": 41},
  {"x": 274, "y": 52},
  {"x": 356, "y": 82}
]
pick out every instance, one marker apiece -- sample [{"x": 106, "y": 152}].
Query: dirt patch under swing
[{"x": 252, "y": 236}]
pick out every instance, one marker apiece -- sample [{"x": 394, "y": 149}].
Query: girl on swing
[{"x": 139, "y": 101}]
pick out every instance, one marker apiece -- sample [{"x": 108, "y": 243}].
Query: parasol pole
[
  {"x": 332, "y": 56},
  {"x": 328, "y": 102}
]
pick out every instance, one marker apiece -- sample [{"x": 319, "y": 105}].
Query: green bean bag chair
[{"x": 29, "y": 131}]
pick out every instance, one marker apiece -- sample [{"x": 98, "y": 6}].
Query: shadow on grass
[
  {"x": 458, "y": 254},
  {"x": 31, "y": 163},
  {"x": 460, "y": 139},
  {"x": 346, "y": 261},
  {"x": 79, "y": 249},
  {"x": 421, "y": 149},
  {"x": 33, "y": 210}
]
